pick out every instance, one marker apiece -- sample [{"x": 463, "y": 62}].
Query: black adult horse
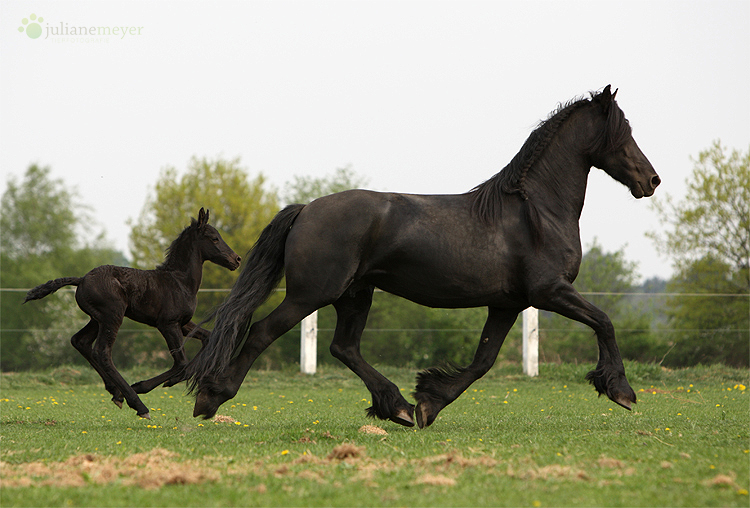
[
  {"x": 510, "y": 243},
  {"x": 164, "y": 298}
]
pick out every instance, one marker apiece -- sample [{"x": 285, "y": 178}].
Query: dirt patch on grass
[
  {"x": 150, "y": 470},
  {"x": 372, "y": 429},
  {"x": 347, "y": 450},
  {"x": 432, "y": 479},
  {"x": 223, "y": 419}
]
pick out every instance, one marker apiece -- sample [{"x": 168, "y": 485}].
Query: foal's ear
[{"x": 202, "y": 218}]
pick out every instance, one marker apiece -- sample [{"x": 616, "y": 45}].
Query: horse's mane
[
  {"x": 180, "y": 249},
  {"x": 511, "y": 179}
]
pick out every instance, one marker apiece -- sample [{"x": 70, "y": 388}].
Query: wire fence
[{"x": 641, "y": 295}]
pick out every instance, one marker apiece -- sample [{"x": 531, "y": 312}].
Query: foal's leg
[
  {"x": 436, "y": 388},
  {"x": 109, "y": 324},
  {"x": 172, "y": 333},
  {"x": 387, "y": 401},
  {"x": 212, "y": 393},
  {"x": 609, "y": 376},
  {"x": 195, "y": 331},
  {"x": 83, "y": 341}
]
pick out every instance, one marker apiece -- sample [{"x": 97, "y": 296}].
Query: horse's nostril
[{"x": 655, "y": 181}]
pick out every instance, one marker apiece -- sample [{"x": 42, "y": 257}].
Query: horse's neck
[{"x": 557, "y": 181}]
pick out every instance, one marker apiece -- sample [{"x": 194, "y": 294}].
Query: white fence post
[
  {"x": 531, "y": 342},
  {"x": 308, "y": 347}
]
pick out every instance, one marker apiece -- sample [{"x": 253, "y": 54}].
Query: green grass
[{"x": 508, "y": 441}]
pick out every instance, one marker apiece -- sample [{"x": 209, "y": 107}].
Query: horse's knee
[
  {"x": 338, "y": 351},
  {"x": 80, "y": 344}
]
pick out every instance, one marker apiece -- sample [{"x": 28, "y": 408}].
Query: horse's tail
[
  {"x": 50, "y": 287},
  {"x": 260, "y": 274}
]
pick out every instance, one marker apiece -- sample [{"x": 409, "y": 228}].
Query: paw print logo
[{"x": 31, "y": 26}]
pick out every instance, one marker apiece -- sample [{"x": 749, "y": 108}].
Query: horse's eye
[{"x": 215, "y": 240}]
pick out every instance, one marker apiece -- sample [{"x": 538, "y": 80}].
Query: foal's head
[
  {"x": 211, "y": 245},
  {"x": 614, "y": 150}
]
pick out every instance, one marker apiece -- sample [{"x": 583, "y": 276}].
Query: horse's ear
[
  {"x": 605, "y": 98},
  {"x": 202, "y": 218}
]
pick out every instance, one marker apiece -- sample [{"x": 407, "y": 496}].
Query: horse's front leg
[
  {"x": 438, "y": 387},
  {"x": 609, "y": 376}
]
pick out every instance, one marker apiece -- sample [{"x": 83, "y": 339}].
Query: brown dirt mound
[
  {"x": 372, "y": 429},
  {"x": 150, "y": 470},
  {"x": 347, "y": 450}
]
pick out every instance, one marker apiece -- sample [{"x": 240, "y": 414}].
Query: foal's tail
[
  {"x": 50, "y": 287},
  {"x": 260, "y": 274}
]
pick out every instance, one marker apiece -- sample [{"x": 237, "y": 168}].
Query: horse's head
[
  {"x": 614, "y": 150},
  {"x": 212, "y": 246}
]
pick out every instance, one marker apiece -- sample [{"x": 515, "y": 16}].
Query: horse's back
[{"x": 427, "y": 248}]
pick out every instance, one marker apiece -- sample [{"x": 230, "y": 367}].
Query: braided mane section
[{"x": 512, "y": 178}]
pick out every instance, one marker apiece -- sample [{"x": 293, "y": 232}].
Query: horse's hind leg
[
  {"x": 83, "y": 341},
  {"x": 214, "y": 392},
  {"x": 436, "y": 388},
  {"x": 387, "y": 401}
]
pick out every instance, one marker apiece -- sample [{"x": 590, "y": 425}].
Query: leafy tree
[
  {"x": 304, "y": 189},
  {"x": 708, "y": 237},
  {"x": 41, "y": 238}
]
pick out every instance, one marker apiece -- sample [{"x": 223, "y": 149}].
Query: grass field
[{"x": 294, "y": 440}]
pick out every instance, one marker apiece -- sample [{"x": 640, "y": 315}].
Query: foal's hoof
[
  {"x": 146, "y": 416},
  {"x": 404, "y": 417},
  {"x": 117, "y": 402},
  {"x": 173, "y": 381}
]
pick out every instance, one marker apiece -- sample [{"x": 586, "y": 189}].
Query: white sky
[{"x": 418, "y": 96}]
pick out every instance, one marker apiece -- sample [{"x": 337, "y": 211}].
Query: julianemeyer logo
[{"x": 32, "y": 27}]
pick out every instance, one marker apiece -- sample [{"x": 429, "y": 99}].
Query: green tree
[
  {"x": 303, "y": 189},
  {"x": 42, "y": 237},
  {"x": 708, "y": 238}
]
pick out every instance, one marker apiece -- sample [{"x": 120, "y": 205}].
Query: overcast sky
[{"x": 420, "y": 97}]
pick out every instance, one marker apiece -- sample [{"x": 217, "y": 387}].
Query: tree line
[{"x": 700, "y": 315}]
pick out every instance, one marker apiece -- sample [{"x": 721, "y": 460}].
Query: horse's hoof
[
  {"x": 118, "y": 403},
  {"x": 204, "y": 407},
  {"x": 146, "y": 415},
  {"x": 402, "y": 417},
  {"x": 623, "y": 401},
  {"x": 424, "y": 415}
]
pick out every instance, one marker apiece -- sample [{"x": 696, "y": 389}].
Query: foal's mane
[
  {"x": 181, "y": 248},
  {"x": 512, "y": 178}
]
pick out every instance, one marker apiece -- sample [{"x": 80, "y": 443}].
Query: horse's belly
[{"x": 438, "y": 291}]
